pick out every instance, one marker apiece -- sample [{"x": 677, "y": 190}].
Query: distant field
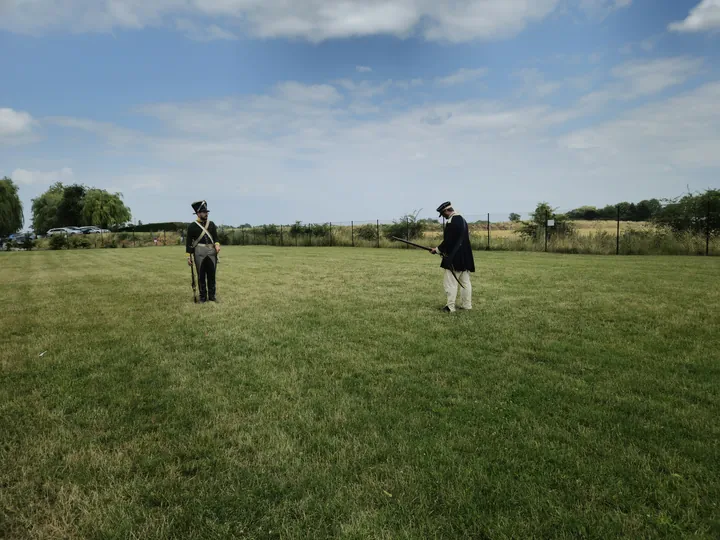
[
  {"x": 507, "y": 229},
  {"x": 327, "y": 396}
]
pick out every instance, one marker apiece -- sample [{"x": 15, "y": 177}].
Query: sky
[{"x": 276, "y": 111}]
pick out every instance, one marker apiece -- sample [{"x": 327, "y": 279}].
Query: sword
[{"x": 452, "y": 268}]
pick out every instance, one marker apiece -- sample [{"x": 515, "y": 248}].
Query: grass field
[{"x": 327, "y": 396}]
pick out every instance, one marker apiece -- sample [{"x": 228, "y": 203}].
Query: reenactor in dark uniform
[
  {"x": 202, "y": 248},
  {"x": 457, "y": 258}
]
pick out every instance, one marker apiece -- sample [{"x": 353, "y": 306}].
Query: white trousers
[{"x": 451, "y": 288}]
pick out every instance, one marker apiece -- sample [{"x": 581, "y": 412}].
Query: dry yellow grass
[{"x": 507, "y": 229}]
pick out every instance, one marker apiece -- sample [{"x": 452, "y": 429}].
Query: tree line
[
  {"x": 61, "y": 206},
  {"x": 644, "y": 210}
]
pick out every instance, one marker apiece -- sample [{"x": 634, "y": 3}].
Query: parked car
[
  {"x": 89, "y": 229},
  {"x": 64, "y": 230}
]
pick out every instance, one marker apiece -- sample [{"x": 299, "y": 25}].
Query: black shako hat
[
  {"x": 442, "y": 207},
  {"x": 199, "y": 206}
]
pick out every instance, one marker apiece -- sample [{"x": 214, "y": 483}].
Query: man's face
[{"x": 203, "y": 214}]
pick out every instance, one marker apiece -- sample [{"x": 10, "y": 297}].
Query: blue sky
[{"x": 326, "y": 111}]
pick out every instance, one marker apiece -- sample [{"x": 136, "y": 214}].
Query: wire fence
[
  {"x": 553, "y": 232},
  {"x": 490, "y": 232}
]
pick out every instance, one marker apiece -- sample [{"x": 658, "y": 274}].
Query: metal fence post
[
  {"x": 281, "y": 236},
  {"x": 331, "y": 238},
  {"x": 378, "y": 233},
  {"x": 488, "y": 244},
  {"x": 407, "y": 231},
  {"x": 617, "y": 238},
  {"x": 547, "y": 219},
  {"x": 352, "y": 233},
  {"x": 707, "y": 230}
]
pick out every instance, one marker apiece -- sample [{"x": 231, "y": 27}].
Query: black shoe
[
  {"x": 213, "y": 299},
  {"x": 202, "y": 300}
]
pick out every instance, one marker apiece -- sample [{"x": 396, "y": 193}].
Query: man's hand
[
  {"x": 189, "y": 261},
  {"x": 434, "y": 251},
  {"x": 217, "y": 249}
]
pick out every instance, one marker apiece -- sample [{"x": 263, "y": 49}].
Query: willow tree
[
  {"x": 45, "y": 208},
  {"x": 11, "y": 209},
  {"x": 104, "y": 209}
]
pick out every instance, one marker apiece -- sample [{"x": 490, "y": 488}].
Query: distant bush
[
  {"x": 368, "y": 231},
  {"x": 536, "y": 228},
  {"x": 297, "y": 229},
  {"x": 80, "y": 242},
  {"x": 223, "y": 236},
  {"x": 28, "y": 243},
  {"x": 58, "y": 241},
  {"x": 407, "y": 227}
]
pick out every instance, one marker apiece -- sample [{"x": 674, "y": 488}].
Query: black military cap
[
  {"x": 199, "y": 206},
  {"x": 442, "y": 207}
]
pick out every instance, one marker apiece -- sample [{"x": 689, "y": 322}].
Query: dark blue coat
[{"x": 455, "y": 246}]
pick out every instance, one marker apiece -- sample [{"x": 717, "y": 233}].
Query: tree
[
  {"x": 104, "y": 209},
  {"x": 11, "y": 209},
  {"x": 70, "y": 209},
  {"x": 537, "y": 227},
  {"x": 587, "y": 213},
  {"x": 514, "y": 217},
  {"x": 645, "y": 209},
  {"x": 690, "y": 213},
  {"x": 408, "y": 227},
  {"x": 44, "y": 209}
]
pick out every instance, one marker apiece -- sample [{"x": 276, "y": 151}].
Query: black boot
[{"x": 203, "y": 293}]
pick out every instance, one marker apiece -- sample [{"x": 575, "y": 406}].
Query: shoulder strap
[{"x": 205, "y": 231}]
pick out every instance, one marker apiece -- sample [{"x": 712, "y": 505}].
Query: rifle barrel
[{"x": 411, "y": 243}]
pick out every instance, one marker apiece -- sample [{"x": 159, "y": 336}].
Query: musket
[
  {"x": 411, "y": 243},
  {"x": 452, "y": 268},
  {"x": 192, "y": 271}
]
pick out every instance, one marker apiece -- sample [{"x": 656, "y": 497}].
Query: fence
[
  {"x": 490, "y": 231},
  {"x": 552, "y": 233}
]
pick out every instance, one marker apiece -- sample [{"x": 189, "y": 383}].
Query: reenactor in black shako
[
  {"x": 457, "y": 258},
  {"x": 202, "y": 247}
]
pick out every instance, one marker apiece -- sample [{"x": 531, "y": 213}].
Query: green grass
[{"x": 327, "y": 396}]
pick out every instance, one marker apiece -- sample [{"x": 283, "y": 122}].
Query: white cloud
[
  {"x": 298, "y": 140},
  {"x": 198, "y": 32},
  {"x": 703, "y": 17},
  {"x": 683, "y": 131},
  {"x": 600, "y": 9},
  {"x": 43, "y": 178},
  {"x": 363, "y": 69},
  {"x": 15, "y": 123},
  {"x": 643, "y": 78},
  {"x": 535, "y": 84},
  {"x": 314, "y": 20},
  {"x": 461, "y": 76},
  {"x": 297, "y": 92},
  {"x": 364, "y": 89}
]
